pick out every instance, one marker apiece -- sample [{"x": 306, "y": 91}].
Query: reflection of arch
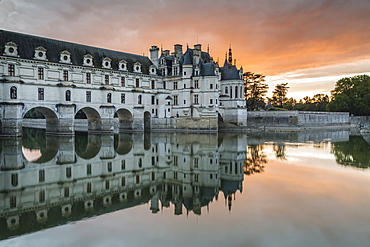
[
  {"x": 36, "y": 139},
  {"x": 146, "y": 120},
  {"x": 123, "y": 143},
  {"x": 125, "y": 119},
  {"x": 52, "y": 121},
  {"x": 93, "y": 118},
  {"x": 87, "y": 146}
]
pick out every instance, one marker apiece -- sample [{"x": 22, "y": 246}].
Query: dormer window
[
  {"x": 88, "y": 60},
  {"x": 152, "y": 70},
  {"x": 65, "y": 57},
  {"x": 106, "y": 63},
  {"x": 40, "y": 53},
  {"x": 122, "y": 65},
  {"x": 11, "y": 49},
  {"x": 137, "y": 67}
]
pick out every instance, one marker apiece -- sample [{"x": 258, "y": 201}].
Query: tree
[
  {"x": 351, "y": 94},
  {"x": 279, "y": 95},
  {"x": 254, "y": 90}
]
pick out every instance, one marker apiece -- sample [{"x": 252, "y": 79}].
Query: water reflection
[{"x": 87, "y": 175}]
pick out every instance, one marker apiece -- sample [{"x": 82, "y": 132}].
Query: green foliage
[
  {"x": 277, "y": 109},
  {"x": 355, "y": 152},
  {"x": 279, "y": 95},
  {"x": 317, "y": 103},
  {"x": 351, "y": 94},
  {"x": 254, "y": 90}
]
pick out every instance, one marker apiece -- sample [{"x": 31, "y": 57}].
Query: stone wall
[{"x": 296, "y": 119}]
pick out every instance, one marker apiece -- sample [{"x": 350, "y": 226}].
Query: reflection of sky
[
  {"x": 31, "y": 154},
  {"x": 306, "y": 200}
]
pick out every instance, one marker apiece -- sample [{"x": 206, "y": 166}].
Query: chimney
[
  {"x": 178, "y": 50},
  {"x": 154, "y": 55}
]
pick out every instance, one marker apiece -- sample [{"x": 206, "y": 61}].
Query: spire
[
  {"x": 208, "y": 49},
  {"x": 230, "y": 56}
]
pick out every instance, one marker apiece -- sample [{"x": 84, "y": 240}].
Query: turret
[{"x": 178, "y": 51}]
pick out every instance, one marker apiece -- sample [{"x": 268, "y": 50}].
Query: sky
[{"x": 310, "y": 44}]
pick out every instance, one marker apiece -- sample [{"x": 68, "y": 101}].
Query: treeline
[{"x": 351, "y": 94}]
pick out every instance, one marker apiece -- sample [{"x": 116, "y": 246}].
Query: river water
[{"x": 178, "y": 189}]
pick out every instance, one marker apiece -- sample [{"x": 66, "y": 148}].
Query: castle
[{"x": 179, "y": 90}]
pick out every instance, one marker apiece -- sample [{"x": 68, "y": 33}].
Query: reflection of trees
[
  {"x": 279, "y": 150},
  {"x": 256, "y": 158},
  {"x": 355, "y": 152},
  {"x": 34, "y": 139}
]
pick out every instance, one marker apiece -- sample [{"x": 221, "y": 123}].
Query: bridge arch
[
  {"x": 93, "y": 117},
  {"x": 51, "y": 117},
  {"x": 125, "y": 118},
  {"x": 87, "y": 146}
]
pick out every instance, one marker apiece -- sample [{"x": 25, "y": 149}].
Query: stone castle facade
[{"x": 181, "y": 90}]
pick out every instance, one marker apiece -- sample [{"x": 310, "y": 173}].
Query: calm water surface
[{"x": 161, "y": 189}]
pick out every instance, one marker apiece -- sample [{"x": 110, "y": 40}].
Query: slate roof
[
  {"x": 28, "y": 43},
  {"x": 229, "y": 72}
]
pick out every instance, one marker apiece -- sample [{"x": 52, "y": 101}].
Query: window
[
  {"x": 175, "y": 175},
  {"x": 175, "y": 71},
  {"x": 88, "y": 189},
  {"x": 175, "y": 100},
  {"x": 42, "y": 196},
  {"x": 196, "y": 178},
  {"x": 137, "y": 179},
  {"x": 66, "y": 192},
  {"x": 123, "y": 181},
  {"x": 184, "y": 86},
  {"x": 137, "y": 83},
  {"x": 123, "y": 81},
  {"x": 175, "y": 85},
  {"x": 68, "y": 95},
  {"x": 123, "y": 99},
  {"x": 153, "y": 176},
  {"x": 14, "y": 179},
  {"x": 184, "y": 72},
  {"x": 226, "y": 90},
  {"x": 211, "y": 101},
  {"x": 140, "y": 164},
  {"x": 40, "y": 94},
  {"x": 106, "y": 79},
  {"x": 164, "y": 85},
  {"x": 88, "y": 78},
  {"x": 109, "y": 98},
  {"x": 41, "y": 175},
  {"x": 13, "y": 92},
  {"x": 88, "y": 96},
  {"x": 11, "y": 70},
  {"x": 123, "y": 165},
  {"x": 196, "y": 99},
  {"x": 196, "y": 84},
  {"x": 236, "y": 92},
  {"x": 153, "y": 84},
  {"x": 88, "y": 169},
  {"x": 196, "y": 162},
  {"x": 41, "y": 73},
  {"x": 210, "y": 86},
  {"x": 139, "y": 101},
  {"x": 65, "y": 75},
  {"x": 13, "y": 201},
  {"x": 231, "y": 92},
  {"x": 109, "y": 166},
  {"x": 175, "y": 160},
  {"x": 153, "y": 100},
  {"x": 107, "y": 184},
  {"x": 68, "y": 172}
]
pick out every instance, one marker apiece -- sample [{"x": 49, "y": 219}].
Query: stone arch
[
  {"x": 221, "y": 123},
  {"x": 147, "y": 121},
  {"x": 93, "y": 118},
  {"x": 51, "y": 118},
  {"x": 125, "y": 119}
]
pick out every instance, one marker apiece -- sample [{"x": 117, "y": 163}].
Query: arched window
[
  {"x": 236, "y": 92},
  {"x": 109, "y": 98},
  {"x": 139, "y": 100},
  {"x": 226, "y": 90},
  {"x": 68, "y": 95},
  {"x": 13, "y": 92},
  {"x": 231, "y": 92},
  {"x": 241, "y": 92}
]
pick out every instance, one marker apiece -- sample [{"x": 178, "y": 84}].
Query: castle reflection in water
[{"x": 87, "y": 175}]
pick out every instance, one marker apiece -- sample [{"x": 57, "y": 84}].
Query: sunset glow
[{"x": 308, "y": 43}]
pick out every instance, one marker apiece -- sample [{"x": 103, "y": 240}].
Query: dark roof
[
  {"x": 229, "y": 72},
  {"x": 28, "y": 43}
]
